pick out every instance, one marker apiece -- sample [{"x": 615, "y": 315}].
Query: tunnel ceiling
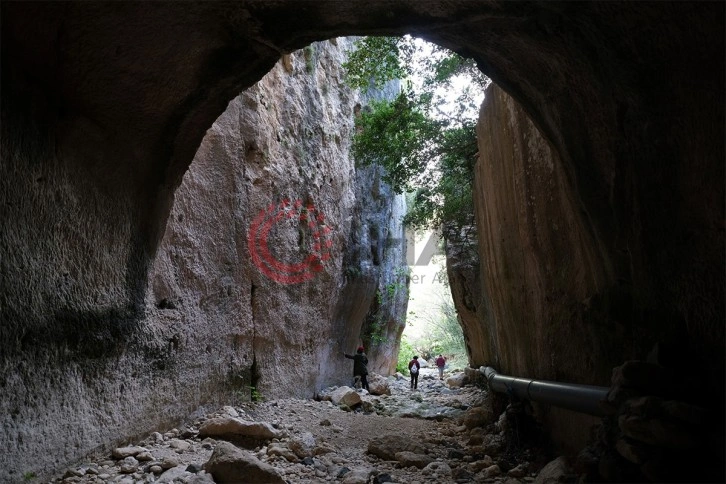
[{"x": 156, "y": 75}]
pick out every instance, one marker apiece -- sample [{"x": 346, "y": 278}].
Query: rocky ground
[{"x": 443, "y": 432}]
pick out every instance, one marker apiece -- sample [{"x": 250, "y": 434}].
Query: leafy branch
[{"x": 427, "y": 148}]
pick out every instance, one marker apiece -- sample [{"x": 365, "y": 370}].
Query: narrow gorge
[{"x": 182, "y": 224}]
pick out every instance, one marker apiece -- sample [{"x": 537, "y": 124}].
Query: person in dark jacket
[
  {"x": 414, "y": 366},
  {"x": 360, "y": 366}
]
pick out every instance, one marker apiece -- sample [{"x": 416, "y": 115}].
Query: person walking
[
  {"x": 440, "y": 364},
  {"x": 414, "y": 366},
  {"x": 360, "y": 366}
]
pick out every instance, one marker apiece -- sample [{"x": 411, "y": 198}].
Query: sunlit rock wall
[
  {"x": 379, "y": 254},
  {"x": 269, "y": 326}
]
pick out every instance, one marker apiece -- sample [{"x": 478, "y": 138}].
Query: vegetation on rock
[{"x": 426, "y": 142}]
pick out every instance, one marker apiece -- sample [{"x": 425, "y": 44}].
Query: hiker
[
  {"x": 440, "y": 364},
  {"x": 360, "y": 366},
  {"x": 414, "y": 366}
]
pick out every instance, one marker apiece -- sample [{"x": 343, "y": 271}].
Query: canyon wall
[
  {"x": 552, "y": 298},
  {"x": 538, "y": 285},
  {"x": 250, "y": 289}
]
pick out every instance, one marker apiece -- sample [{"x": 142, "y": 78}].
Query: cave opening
[{"x": 104, "y": 105}]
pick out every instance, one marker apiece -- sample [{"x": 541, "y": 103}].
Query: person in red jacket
[
  {"x": 414, "y": 366},
  {"x": 440, "y": 364}
]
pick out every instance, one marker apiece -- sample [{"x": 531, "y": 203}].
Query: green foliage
[
  {"x": 255, "y": 395},
  {"x": 375, "y": 61},
  {"x": 448, "y": 200},
  {"x": 444, "y": 334},
  {"x": 352, "y": 272},
  {"x": 375, "y": 330},
  {"x": 309, "y": 53},
  {"x": 385, "y": 298},
  {"x": 405, "y": 353},
  {"x": 426, "y": 150},
  {"x": 400, "y": 137},
  {"x": 29, "y": 476}
]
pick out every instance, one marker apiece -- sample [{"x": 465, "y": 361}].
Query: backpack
[{"x": 414, "y": 369}]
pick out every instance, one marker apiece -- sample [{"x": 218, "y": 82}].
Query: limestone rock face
[
  {"x": 250, "y": 289},
  {"x": 375, "y": 263},
  {"x": 227, "y": 260},
  {"x": 533, "y": 246},
  {"x": 540, "y": 307},
  {"x": 464, "y": 274},
  {"x": 550, "y": 288}
]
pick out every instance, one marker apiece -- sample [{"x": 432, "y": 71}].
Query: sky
[{"x": 426, "y": 291}]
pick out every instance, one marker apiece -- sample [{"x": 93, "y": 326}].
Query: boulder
[
  {"x": 378, "y": 385},
  {"x": 438, "y": 468},
  {"x": 556, "y": 471},
  {"x": 130, "y": 451},
  {"x": 303, "y": 446},
  {"x": 283, "y": 451},
  {"x": 408, "y": 459},
  {"x": 231, "y": 427},
  {"x": 345, "y": 396},
  {"x": 457, "y": 380},
  {"x": 478, "y": 417},
  {"x": 387, "y": 446},
  {"x": 174, "y": 474},
  {"x": 230, "y": 464},
  {"x": 357, "y": 476}
]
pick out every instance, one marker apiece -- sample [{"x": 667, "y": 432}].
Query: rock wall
[
  {"x": 215, "y": 326},
  {"x": 463, "y": 270},
  {"x": 543, "y": 292},
  {"x": 104, "y": 105},
  {"x": 551, "y": 300},
  {"x": 381, "y": 252}
]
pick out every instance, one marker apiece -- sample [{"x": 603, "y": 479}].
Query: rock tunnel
[{"x": 104, "y": 106}]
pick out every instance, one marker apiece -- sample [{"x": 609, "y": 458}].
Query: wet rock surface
[{"x": 433, "y": 434}]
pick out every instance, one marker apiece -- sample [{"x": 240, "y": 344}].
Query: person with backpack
[
  {"x": 360, "y": 366},
  {"x": 440, "y": 364},
  {"x": 414, "y": 366}
]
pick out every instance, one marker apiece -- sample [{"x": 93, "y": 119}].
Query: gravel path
[{"x": 430, "y": 417}]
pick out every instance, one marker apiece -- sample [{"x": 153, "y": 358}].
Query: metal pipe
[{"x": 579, "y": 398}]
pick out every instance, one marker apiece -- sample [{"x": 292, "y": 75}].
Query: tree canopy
[{"x": 426, "y": 141}]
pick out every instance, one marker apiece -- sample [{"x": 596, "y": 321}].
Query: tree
[{"x": 427, "y": 145}]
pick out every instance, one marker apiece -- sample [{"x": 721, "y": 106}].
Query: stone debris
[{"x": 438, "y": 433}]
